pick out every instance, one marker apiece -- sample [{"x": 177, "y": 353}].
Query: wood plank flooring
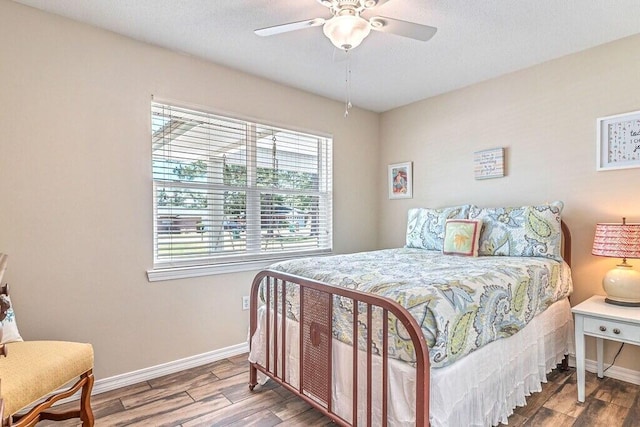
[{"x": 217, "y": 395}]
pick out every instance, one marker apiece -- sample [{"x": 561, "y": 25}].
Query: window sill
[{"x": 171, "y": 273}]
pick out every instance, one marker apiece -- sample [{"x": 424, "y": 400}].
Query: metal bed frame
[{"x": 315, "y": 341}]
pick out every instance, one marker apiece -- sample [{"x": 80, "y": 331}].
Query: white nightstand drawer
[{"x": 612, "y": 329}]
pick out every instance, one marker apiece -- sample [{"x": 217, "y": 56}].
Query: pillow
[
  {"x": 520, "y": 231},
  {"x": 9, "y": 327},
  {"x": 425, "y": 226},
  {"x": 461, "y": 237}
]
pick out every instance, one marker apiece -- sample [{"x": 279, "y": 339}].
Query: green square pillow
[{"x": 461, "y": 237}]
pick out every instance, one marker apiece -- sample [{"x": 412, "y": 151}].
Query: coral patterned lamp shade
[{"x": 622, "y": 284}]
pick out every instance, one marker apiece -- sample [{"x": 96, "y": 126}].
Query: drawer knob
[
  {"x": 603, "y": 328},
  {"x": 616, "y": 331}
]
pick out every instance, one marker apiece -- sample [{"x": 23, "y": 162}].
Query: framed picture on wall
[
  {"x": 400, "y": 181},
  {"x": 488, "y": 163},
  {"x": 619, "y": 142}
]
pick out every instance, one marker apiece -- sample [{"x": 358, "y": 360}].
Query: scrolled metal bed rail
[{"x": 315, "y": 382}]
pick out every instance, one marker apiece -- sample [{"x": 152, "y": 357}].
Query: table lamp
[{"x": 622, "y": 284}]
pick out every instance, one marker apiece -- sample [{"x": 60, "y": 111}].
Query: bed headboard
[{"x": 566, "y": 243}]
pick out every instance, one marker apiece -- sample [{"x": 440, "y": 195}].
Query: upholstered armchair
[{"x": 34, "y": 375}]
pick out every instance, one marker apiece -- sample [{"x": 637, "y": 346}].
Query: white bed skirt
[{"x": 482, "y": 389}]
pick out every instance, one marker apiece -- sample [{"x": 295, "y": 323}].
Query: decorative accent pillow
[
  {"x": 425, "y": 226},
  {"x": 9, "y": 327},
  {"x": 461, "y": 237},
  {"x": 520, "y": 231}
]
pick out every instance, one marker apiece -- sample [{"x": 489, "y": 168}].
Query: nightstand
[{"x": 604, "y": 321}]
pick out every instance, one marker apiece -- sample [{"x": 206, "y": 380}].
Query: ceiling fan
[{"x": 347, "y": 28}]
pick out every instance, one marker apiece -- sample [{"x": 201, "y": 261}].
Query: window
[{"x": 230, "y": 192}]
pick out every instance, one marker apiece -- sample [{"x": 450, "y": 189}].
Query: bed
[{"x": 427, "y": 333}]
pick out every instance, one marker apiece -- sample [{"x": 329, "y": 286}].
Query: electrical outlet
[{"x": 245, "y": 303}]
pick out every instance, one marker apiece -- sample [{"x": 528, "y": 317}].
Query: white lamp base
[{"x": 622, "y": 285}]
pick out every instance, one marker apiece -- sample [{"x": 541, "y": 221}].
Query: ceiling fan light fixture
[{"x": 346, "y": 31}]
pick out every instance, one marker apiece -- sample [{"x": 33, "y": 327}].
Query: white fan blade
[
  {"x": 368, "y": 4},
  {"x": 402, "y": 28},
  {"x": 292, "y": 26},
  {"x": 326, "y": 3}
]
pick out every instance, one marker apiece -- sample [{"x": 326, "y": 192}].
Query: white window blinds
[{"x": 229, "y": 190}]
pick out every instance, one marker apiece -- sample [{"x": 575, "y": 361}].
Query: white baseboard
[
  {"x": 130, "y": 378},
  {"x": 615, "y": 372}
]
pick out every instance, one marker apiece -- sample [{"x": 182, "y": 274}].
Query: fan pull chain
[{"x": 347, "y": 102}]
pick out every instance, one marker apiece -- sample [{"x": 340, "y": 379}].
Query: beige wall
[
  {"x": 75, "y": 187},
  {"x": 75, "y": 176},
  {"x": 545, "y": 117}
]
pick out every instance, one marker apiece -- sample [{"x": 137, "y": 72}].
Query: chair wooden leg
[
  {"x": 86, "y": 413},
  {"x": 41, "y": 411}
]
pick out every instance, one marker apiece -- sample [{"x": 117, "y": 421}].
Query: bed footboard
[{"x": 314, "y": 340}]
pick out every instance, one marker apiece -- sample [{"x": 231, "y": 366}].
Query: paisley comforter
[{"x": 461, "y": 303}]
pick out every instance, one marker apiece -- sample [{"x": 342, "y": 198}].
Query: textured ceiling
[{"x": 476, "y": 40}]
